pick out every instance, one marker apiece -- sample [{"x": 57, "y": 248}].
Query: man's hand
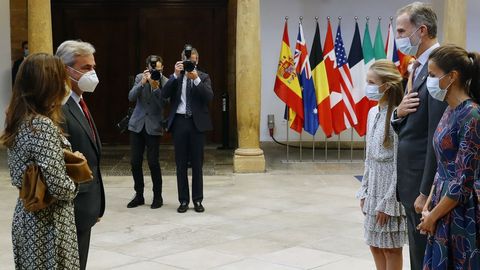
[
  {"x": 178, "y": 68},
  {"x": 408, "y": 105},
  {"x": 146, "y": 76},
  {"x": 419, "y": 203},
  {"x": 192, "y": 75},
  {"x": 382, "y": 218}
]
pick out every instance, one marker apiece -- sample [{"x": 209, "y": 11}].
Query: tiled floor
[{"x": 294, "y": 216}]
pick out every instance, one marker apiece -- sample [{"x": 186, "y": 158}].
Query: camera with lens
[
  {"x": 152, "y": 64},
  {"x": 188, "y": 65}
]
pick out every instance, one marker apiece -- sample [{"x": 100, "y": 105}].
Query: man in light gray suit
[
  {"x": 415, "y": 121},
  {"x": 146, "y": 127}
]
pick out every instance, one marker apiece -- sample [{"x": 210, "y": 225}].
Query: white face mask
[
  {"x": 372, "y": 91},
  {"x": 433, "y": 86},
  {"x": 405, "y": 45},
  {"x": 88, "y": 81}
]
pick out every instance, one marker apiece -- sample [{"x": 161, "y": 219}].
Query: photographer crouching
[
  {"x": 190, "y": 92},
  {"x": 146, "y": 127}
]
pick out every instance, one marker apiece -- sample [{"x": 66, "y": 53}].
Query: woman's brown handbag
[
  {"x": 34, "y": 193},
  {"x": 77, "y": 168}
]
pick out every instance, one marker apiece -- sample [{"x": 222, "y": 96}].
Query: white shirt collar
[{"x": 423, "y": 58}]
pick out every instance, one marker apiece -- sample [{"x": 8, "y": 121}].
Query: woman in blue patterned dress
[
  {"x": 385, "y": 226},
  {"x": 451, "y": 216},
  {"x": 47, "y": 238}
]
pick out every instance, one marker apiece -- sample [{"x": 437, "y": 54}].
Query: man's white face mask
[{"x": 88, "y": 81}]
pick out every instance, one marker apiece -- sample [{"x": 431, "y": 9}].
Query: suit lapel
[
  {"x": 82, "y": 120},
  {"x": 420, "y": 79}
]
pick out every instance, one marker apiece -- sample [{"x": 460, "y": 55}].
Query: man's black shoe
[
  {"x": 156, "y": 203},
  {"x": 136, "y": 201},
  {"x": 183, "y": 207},
  {"x": 198, "y": 207}
]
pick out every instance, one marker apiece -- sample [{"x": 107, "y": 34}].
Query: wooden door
[{"x": 125, "y": 32}]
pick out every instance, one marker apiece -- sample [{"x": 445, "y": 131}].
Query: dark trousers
[
  {"x": 417, "y": 242},
  {"x": 189, "y": 143},
  {"x": 138, "y": 142},
  {"x": 83, "y": 238}
]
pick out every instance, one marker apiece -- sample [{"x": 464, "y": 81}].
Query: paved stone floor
[{"x": 294, "y": 216}]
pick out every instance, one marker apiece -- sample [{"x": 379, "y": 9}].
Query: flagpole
[
  {"x": 301, "y": 150},
  {"x": 351, "y": 145},
  {"x": 313, "y": 148},
  {"x": 338, "y": 149},
  {"x": 288, "y": 122},
  {"x": 326, "y": 149}
]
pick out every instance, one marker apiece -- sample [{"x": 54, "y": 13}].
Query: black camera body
[
  {"x": 188, "y": 65},
  {"x": 154, "y": 73}
]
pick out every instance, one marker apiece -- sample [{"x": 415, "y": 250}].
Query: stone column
[
  {"x": 248, "y": 157},
  {"x": 39, "y": 26},
  {"x": 455, "y": 22}
]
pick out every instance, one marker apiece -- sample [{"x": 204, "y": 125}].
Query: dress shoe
[
  {"x": 198, "y": 207},
  {"x": 136, "y": 201},
  {"x": 156, "y": 203},
  {"x": 183, "y": 207}
]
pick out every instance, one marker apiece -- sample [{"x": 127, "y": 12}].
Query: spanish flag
[{"x": 287, "y": 86}]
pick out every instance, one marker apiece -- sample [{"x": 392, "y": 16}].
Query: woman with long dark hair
[
  {"x": 44, "y": 239},
  {"x": 451, "y": 216}
]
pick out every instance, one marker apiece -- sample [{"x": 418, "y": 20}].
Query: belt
[{"x": 184, "y": 115}]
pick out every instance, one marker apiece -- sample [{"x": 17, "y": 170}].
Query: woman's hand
[
  {"x": 428, "y": 224},
  {"x": 382, "y": 218}
]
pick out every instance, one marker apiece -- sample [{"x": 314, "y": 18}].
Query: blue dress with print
[{"x": 456, "y": 241}]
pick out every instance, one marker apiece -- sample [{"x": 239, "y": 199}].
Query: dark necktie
[
  {"x": 411, "y": 78},
  {"x": 87, "y": 115},
  {"x": 188, "y": 102}
]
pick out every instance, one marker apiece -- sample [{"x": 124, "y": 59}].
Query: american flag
[{"x": 345, "y": 80}]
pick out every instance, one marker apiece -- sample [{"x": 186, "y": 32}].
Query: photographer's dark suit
[
  {"x": 90, "y": 200},
  {"x": 188, "y": 131},
  {"x": 416, "y": 162},
  {"x": 146, "y": 127}
]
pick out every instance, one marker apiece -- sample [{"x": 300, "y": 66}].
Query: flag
[
  {"x": 287, "y": 86},
  {"x": 302, "y": 64},
  {"x": 357, "y": 71},
  {"x": 336, "y": 101},
  {"x": 368, "y": 53},
  {"x": 345, "y": 80},
  {"x": 378, "y": 46},
  {"x": 391, "y": 47},
  {"x": 320, "y": 81}
]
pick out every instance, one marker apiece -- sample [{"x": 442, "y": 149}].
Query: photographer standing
[
  {"x": 145, "y": 128},
  {"x": 189, "y": 91}
]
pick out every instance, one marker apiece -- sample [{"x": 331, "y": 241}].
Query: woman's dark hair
[
  {"x": 39, "y": 90},
  {"x": 452, "y": 57}
]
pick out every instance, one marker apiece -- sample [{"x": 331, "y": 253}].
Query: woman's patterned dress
[
  {"x": 456, "y": 242},
  {"x": 379, "y": 186},
  {"x": 46, "y": 239}
]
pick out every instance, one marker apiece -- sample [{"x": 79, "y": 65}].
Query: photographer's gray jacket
[{"x": 148, "y": 111}]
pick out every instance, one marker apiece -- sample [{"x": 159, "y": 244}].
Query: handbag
[
  {"x": 34, "y": 193},
  {"x": 77, "y": 168},
  {"x": 123, "y": 124}
]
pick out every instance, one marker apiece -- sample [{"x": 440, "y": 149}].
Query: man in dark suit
[
  {"x": 190, "y": 92},
  {"x": 415, "y": 121},
  {"x": 82, "y": 133}
]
